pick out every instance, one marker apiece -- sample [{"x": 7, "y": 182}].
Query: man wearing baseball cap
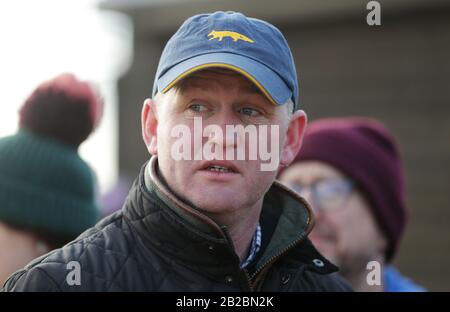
[{"x": 206, "y": 224}]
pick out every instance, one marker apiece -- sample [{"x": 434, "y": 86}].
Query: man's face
[
  {"x": 216, "y": 97},
  {"x": 346, "y": 231}
]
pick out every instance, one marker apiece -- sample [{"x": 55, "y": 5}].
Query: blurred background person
[
  {"x": 349, "y": 169},
  {"x": 47, "y": 192}
]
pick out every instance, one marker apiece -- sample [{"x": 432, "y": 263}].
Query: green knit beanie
[{"x": 44, "y": 184}]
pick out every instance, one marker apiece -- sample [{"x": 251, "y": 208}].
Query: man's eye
[
  {"x": 249, "y": 111},
  {"x": 198, "y": 108}
]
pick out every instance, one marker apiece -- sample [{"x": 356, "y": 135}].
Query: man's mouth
[{"x": 217, "y": 168}]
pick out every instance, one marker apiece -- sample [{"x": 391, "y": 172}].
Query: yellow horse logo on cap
[{"x": 225, "y": 33}]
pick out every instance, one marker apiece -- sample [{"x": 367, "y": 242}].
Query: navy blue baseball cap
[{"x": 252, "y": 47}]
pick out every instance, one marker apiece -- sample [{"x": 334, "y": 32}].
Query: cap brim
[{"x": 269, "y": 82}]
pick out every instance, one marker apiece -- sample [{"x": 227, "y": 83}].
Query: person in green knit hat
[{"x": 47, "y": 192}]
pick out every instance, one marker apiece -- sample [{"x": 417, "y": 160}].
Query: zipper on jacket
[
  {"x": 277, "y": 256},
  {"x": 252, "y": 286}
]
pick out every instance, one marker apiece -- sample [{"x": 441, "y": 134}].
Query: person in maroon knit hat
[{"x": 350, "y": 170}]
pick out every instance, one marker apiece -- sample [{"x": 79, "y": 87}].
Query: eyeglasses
[{"x": 327, "y": 194}]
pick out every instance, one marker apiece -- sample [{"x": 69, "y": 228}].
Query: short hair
[{"x": 290, "y": 106}]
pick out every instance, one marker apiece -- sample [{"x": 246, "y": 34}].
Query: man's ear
[
  {"x": 294, "y": 137},
  {"x": 149, "y": 123}
]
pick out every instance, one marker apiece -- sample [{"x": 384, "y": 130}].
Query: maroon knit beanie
[
  {"x": 63, "y": 108},
  {"x": 363, "y": 149}
]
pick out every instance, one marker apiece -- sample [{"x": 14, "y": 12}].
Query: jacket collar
[{"x": 180, "y": 231}]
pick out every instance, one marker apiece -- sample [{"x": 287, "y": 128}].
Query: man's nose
[
  {"x": 216, "y": 131},
  {"x": 218, "y": 136}
]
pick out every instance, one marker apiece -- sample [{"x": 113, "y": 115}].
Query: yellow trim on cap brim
[{"x": 239, "y": 70}]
